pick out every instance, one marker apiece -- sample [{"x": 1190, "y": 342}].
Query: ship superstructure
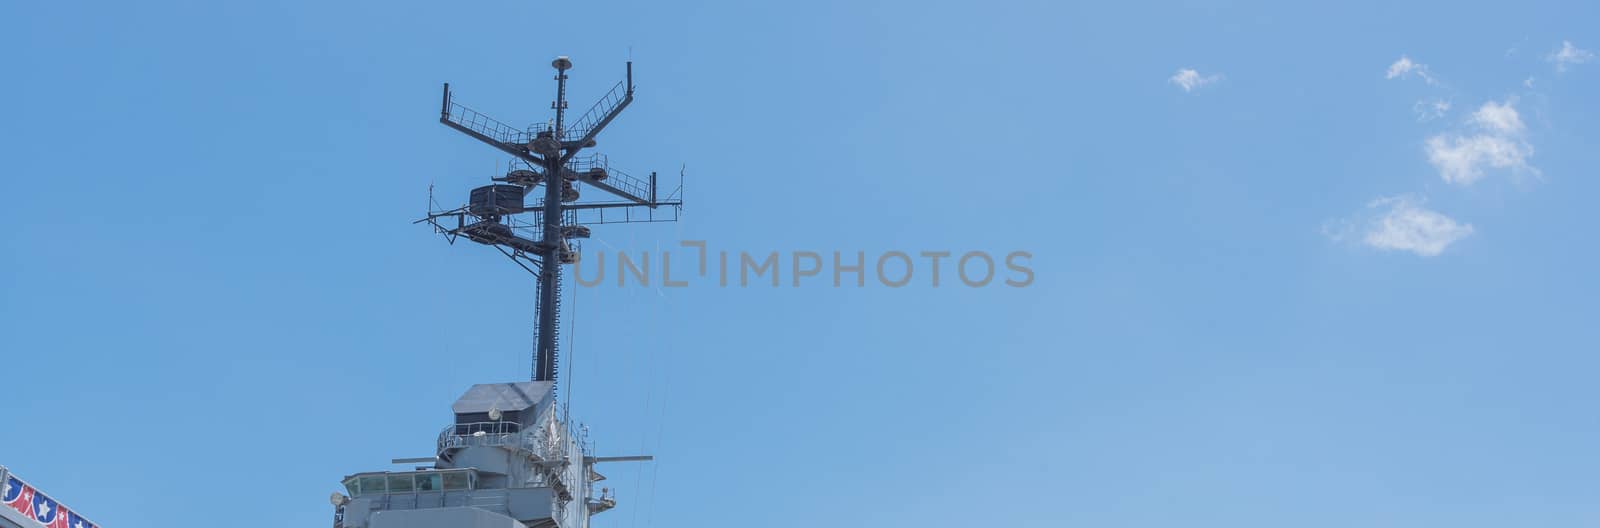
[{"x": 510, "y": 458}]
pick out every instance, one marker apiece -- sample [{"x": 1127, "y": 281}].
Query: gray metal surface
[
  {"x": 440, "y": 518},
  {"x": 11, "y": 519},
  {"x": 517, "y": 396}
]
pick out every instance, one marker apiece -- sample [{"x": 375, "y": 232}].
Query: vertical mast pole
[{"x": 549, "y": 255}]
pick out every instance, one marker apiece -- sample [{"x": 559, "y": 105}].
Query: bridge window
[
  {"x": 429, "y": 482},
  {"x": 455, "y": 480},
  {"x": 373, "y": 485},
  {"x": 379, "y": 484},
  {"x": 400, "y": 483}
]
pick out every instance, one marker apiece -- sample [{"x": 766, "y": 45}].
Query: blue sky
[{"x": 1338, "y": 275}]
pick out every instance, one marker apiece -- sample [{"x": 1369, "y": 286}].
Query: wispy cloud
[
  {"x": 1500, "y": 118},
  {"x": 1497, "y": 140},
  {"x": 1431, "y": 109},
  {"x": 1568, "y": 56},
  {"x": 1405, "y": 68},
  {"x": 1401, "y": 223},
  {"x": 1460, "y": 159},
  {"x": 1191, "y": 80}
]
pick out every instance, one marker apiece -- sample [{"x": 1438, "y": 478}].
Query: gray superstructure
[{"x": 507, "y": 460}]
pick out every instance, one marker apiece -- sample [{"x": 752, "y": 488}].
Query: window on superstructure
[
  {"x": 455, "y": 480},
  {"x": 429, "y": 482},
  {"x": 400, "y": 483},
  {"x": 373, "y": 485}
]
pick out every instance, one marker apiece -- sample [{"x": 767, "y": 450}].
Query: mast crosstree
[{"x": 547, "y": 155}]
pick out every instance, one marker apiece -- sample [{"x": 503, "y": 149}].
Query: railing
[
  {"x": 500, "y": 427},
  {"x": 503, "y": 434},
  {"x": 584, "y": 124},
  {"x": 614, "y": 178},
  {"x": 545, "y": 440},
  {"x": 489, "y": 127},
  {"x": 483, "y": 434},
  {"x": 590, "y": 162}
]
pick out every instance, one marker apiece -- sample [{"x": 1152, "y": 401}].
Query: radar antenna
[{"x": 547, "y": 154}]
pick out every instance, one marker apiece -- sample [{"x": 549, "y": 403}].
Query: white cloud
[
  {"x": 1569, "y": 55},
  {"x": 1498, "y": 143},
  {"x": 1431, "y": 109},
  {"x": 1460, "y": 160},
  {"x": 1499, "y": 117},
  {"x": 1405, "y": 225},
  {"x": 1400, "y": 67},
  {"x": 1190, "y": 80},
  {"x": 1405, "y": 68}
]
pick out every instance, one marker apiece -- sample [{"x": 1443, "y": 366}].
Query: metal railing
[
  {"x": 482, "y": 434},
  {"x": 497, "y": 427},
  {"x": 614, "y": 178},
  {"x": 490, "y": 127},
  {"x": 581, "y": 126},
  {"x": 533, "y": 440}
]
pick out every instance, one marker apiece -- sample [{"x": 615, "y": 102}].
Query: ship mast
[
  {"x": 548, "y": 155},
  {"x": 549, "y": 316}
]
